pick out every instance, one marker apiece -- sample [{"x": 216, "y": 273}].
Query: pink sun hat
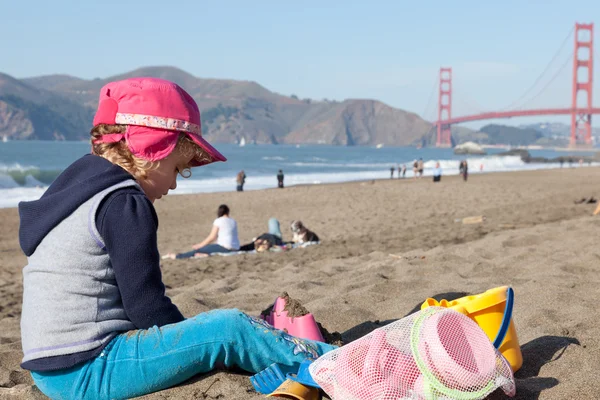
[{"x": 155, "y": 111}]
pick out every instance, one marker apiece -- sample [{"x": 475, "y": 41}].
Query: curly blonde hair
[{"x": 118, "y": 153}]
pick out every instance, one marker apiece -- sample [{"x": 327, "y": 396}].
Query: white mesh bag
[{"x": 436, "y": 353}]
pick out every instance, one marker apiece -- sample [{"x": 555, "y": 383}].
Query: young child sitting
[{"x": 96, "y": 323}]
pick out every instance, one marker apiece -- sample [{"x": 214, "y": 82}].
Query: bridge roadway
[{"x": 523, "y": 113}]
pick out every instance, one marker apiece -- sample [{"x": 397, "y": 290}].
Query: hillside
[
  {"x": 502, "y": 134},
  {"x": 494, "y": 134},
  {"x": 28, "y": 112},
  {"x": 62, "y": 107},
  {"x": 361, "y": 122}
]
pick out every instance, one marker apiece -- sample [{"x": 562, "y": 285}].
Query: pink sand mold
[
  {"x": 304, "y": 327},
  {"x": 375, "y": 369},
  {"x": 461, "y": 356}
]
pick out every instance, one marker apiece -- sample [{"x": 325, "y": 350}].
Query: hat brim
[{"x": 214, "y": 154}]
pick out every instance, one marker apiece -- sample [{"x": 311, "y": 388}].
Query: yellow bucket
[{"x": 488, "y": 311}]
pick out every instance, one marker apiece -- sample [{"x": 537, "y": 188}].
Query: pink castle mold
[{"x": 304, "y": 327}]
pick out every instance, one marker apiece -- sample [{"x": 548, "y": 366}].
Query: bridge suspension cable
[
  {"x": 542, "y": 74},
  {"x": 461, "y": 97},
  {"x": 426, "y": 114},
  {"x": 562, "y": 67}
]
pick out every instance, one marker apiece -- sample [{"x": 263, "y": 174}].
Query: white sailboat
[
  {"x": 242, "y": 141},
  {"x": 4, "y": 139}
]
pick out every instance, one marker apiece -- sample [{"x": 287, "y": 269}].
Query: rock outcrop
[{"x": 469, "y": 148}]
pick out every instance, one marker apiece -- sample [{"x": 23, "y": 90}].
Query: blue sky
[{"x": 386, "y": 50}]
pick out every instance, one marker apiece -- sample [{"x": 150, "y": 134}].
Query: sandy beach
[{"x": 387, "y": 245}]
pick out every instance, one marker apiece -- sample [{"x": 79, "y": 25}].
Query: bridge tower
[
  {"x": 581, "y": 117},
  {"x": 444, "y": 104}
]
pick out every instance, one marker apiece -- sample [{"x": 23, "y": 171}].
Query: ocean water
[{"x": 28, "y": 167}]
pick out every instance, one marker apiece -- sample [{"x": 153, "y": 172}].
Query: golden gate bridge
[{"x": 581, "y": 114}]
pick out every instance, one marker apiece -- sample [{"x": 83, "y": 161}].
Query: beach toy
[
  {"x": 267, "y": 380},
  {"x": 360, "y": 367},
  {"x": 304, "y": 327},
  {"x": 436, "y": 353},
  {"x": 375, "y": 368},
  {"x": 290, "y": 389},
  {"x": 492, "y": 311},
  {"x": 453, "y": 354},
  {"x": 303, "y": 375}
]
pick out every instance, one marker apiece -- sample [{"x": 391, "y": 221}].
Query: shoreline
[{"x": 544, "y": 166}]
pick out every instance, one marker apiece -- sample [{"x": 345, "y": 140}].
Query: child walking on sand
[{"x": 96, "y": 322}]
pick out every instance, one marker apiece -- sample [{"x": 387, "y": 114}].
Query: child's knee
[
  {"x": 229, "y": 314},
  {"x": 232, "y": 316},
  {"x": 223, "y": 319}
]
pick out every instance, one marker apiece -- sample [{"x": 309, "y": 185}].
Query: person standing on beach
[
  {"x": 403, "y": 171},
  {"x": 415, "y": 169},
  {"x": 437, "y": 172},
  {"x": 280, "y": 179},
  {"x": 420, "y": 167},
  {"x": 240, "y": 180},
  {"x": 392, "y": 169},
  {"x": 464, "y": 169},
  {"x": 96, "y": 322}
]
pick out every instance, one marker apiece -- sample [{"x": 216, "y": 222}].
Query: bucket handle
[{"x": 510, "y": 296}]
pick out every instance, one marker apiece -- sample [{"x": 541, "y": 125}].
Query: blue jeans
[
  {"x": 208, "y": 249},
  {"x": 145, "y": 361},
  {"x": 274, "y": 227}
]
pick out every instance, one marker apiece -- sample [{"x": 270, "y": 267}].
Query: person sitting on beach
[
  {"x": 96, "y": 322},
  {"x": 224, "y": 232},
  {"x": 267, "y": 240}
]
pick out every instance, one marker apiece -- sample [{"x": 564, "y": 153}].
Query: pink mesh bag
[{"x": 436, "y": 353}]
